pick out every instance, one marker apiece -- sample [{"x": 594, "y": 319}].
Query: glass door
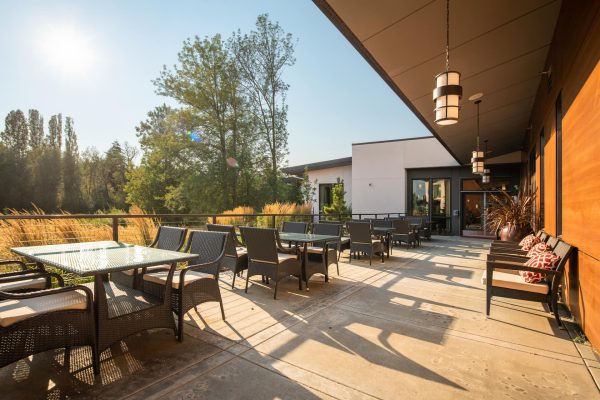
[{"x": 473, "y": 214}]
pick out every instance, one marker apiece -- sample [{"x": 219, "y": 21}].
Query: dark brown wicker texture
[
  {"x": 361, "y": 241},
  {"x": 264, "y": 247},
  {"x": 51, "y": 330},
  {"x": 167, "y": 238},
  {"x": 236, "y": 257},
  {"x": 327, "y": 252}
]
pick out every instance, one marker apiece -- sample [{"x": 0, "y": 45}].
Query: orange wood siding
[{"x": 574, "y": 58}]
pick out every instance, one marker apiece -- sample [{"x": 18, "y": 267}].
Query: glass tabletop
[
  {"x": 93, "y": 258},
  {"x": 384, "y": 228},
  {"x": 305, "y": 237}
]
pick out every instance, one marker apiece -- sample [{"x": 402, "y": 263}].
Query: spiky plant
[{"x": 505, "y": 210}]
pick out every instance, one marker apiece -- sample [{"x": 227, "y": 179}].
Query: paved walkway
[{"x": 413, "y": 327}]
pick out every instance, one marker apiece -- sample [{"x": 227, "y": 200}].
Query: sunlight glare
[{"x": 68, "y": 50}]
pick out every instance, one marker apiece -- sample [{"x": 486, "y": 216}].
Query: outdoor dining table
[
  {"x": 385, "y": 231},
  {"x": 119, "y": 310},
  {"x": 305, "y": 239}
]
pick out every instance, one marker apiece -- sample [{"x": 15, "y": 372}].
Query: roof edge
[
  {"x": 299, "y": 169},
  {"x": 394, "y": 140},
  {"x": 335, "y": 19}
]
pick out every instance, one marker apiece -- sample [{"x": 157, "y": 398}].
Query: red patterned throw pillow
[
  {"x": 546, "y": 260},
  {"x": 529, "y": 242},
  {"x": 538, "y": 249},
  {"x": 525, "y": 239}
]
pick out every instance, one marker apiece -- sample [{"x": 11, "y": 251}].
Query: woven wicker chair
[
  {"x": 502, "y": 279},
  {"x": 26, "y": 279},
  {"x": 236, "y": 256},
  {"x": 324, "y": 253},
  {"x": 294, "y": 227},
  {"x": 167, "y": 238},
  {"x": 199, "y": 282},
  {"x": 268, "y": 258},
  {"x": 403, "y": 233},
  {"x": 361, "y": 241},
  {"x": 34, "y": 322}
]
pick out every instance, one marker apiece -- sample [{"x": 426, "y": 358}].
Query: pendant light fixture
[
  {"x": 447, "y": 92},
  {"x": 485, "y": 178},
  {"x": 477, "y": 160}
]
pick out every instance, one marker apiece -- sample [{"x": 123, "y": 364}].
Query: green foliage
[
  {"x": 308, "y": 189},
  {"x": 338, "y": 203}
]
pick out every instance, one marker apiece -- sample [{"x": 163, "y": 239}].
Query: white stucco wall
[
  {"x": 330, "y": 175},
  {"x": 379, "y": 171}
]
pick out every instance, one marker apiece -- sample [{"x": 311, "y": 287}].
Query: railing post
[
  {"x": 360, "y": 216},
  {"x": 273, "y": 221},
  {"x": 214, "y": 219},
  {"x": 115, "y": 228}
]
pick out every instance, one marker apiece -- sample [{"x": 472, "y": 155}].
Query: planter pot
[{"x": 512, "y": 234}]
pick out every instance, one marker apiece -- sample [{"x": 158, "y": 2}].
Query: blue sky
[{"x": 335, "y": 97}]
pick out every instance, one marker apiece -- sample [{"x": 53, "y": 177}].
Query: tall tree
[
  {"x": 115, "y": 171},
  {"x": 71, "y": 177},
  {"x": 15, "y": 139},
  {"x": 261, "y": 57},
  {"x": 15, "y": 134},
  {"x": 54, "y": 138},
  {"x": 36, "y": 129}
]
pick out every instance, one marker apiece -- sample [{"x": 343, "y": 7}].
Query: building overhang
[{"x": 500, "y": 47}]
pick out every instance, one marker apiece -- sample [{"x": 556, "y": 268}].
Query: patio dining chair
[
  {"x": 403, "y": 233},
  {"x": 502, "y": 279},
  {"x": 42, "y": 320},
  {"x": 198, "y": 282},
  {"x": 236, "y": 256},
  {"x": 26, "y": 279},
  {"x": 268, "y": 258},
  {"x": 325, "y": 253},
  {"x": 294, "y": 227},
  {"x": 167, "y": 238},
  {"x": 362, "y": 241}
]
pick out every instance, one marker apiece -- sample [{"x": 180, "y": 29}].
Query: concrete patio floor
[{"x": 412, "y": 327}]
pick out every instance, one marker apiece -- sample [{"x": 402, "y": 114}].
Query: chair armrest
[
  {"x": 29, "y": 274},
  {"x": 17, "y": 262},
  {"x": 45, "y": 292},
  {"x": 209, "y": 267},
  {"x": 492, "y": 265},
  {"x": 506, "y": 257}
]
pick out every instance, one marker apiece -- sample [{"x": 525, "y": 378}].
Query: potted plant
[{"x": 511, "y": 216}]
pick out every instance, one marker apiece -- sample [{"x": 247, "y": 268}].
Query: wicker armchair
[
  {"x": 167, "y": 238},
  {"x": 34, "y": 322},
  {"x": 26, "y": 279},
  {"x": 268, "y": 258},
  {"x": 403, "y": 233},
  {"x": 502, "y": 279},
  {"x": 236, "y": 256},
  {"x": 294, "y": 227},
  {"x": 361, "y": 241},
  {"x": 197, "y": 283},
  {"x": 324, "y": 253}
]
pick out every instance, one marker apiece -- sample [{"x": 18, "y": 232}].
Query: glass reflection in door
[{"x": 473, "y": 206}]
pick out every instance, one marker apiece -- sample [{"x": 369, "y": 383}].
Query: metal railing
[{"x": 37, "y": 224}]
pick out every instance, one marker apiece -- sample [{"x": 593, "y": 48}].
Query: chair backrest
[
  {"x": 381, "y": 223},
  {"x": 563, "y": 250},
  {"x": 360, "y": 232},
  {"x": 230, "y": 246},
  {"x": 415, "y": 220},
  {"x": 401, "y": 226},
  {"x": 324, "y": 221},
  {"x": 169, "y": 238},
  {"x": 552, "y": 242},
  {"x": 327, "y": 229},
  {"x": 294, "y": 227},
  {"x": 210, "y": 246},
  {"x": 543, "y": 236},
  {"x": 261, "y": 244}
]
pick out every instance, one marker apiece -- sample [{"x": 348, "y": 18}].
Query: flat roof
[
  {"x": 299, "y": 169},
  {"x": 396, "y": 140}
]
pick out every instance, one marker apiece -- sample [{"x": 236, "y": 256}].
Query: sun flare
[{"x": 68, "y": 50}]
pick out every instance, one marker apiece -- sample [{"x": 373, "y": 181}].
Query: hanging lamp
[
  {"x": 485, "y": 178},
  {"x": 447, "y": 92},
  {"x": 477, "y": 159}
]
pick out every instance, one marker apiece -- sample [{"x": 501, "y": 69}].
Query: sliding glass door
[{"x": 430, "y": 198}]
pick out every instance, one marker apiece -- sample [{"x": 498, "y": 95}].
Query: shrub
[
  {"x": 237, "y": 221},
  {"x": 295, "y": 211}
]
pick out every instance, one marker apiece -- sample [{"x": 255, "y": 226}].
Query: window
[
  {"x": 420, "y": 197},
  {"x": 441, "y": 216},
  {"x": 325, "y": 196},
  {"x": 559, "y": 165}
]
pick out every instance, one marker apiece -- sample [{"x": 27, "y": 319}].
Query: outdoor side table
[
  {"x": 305, "y": 239},
  {"x": 120, "y": 311}
]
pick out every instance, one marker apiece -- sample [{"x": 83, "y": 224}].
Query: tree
[
  {"x": 261, "y": 57},
  {"x": 71, "y": 177},
  {"x": 308, "y": 190},
  {"x": 15, "y": 134},
  {"x": 115, "y": 170},
  {"x": 338, "y": 205},
  {"x": 36, "y": 129}
]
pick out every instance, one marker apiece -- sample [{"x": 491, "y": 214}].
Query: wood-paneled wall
[{"x": 574, "y": 59}]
